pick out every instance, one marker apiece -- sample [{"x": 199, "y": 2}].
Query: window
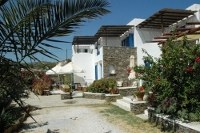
[
  {"x": 128, "y": 41},
  {"x": 85, "y": 50},
  {"x": 98, "y": 52}
]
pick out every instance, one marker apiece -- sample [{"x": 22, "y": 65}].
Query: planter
[
  {"x": 140, "y": 96},
  {"x": 112, "y": 97}
]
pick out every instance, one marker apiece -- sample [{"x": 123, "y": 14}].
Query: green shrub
[{"x": 102, "y": 85}]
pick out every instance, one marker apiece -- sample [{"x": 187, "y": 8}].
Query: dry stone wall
[{"x": 119, "y": 57}]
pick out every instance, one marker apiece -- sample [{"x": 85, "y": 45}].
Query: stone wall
[
  {"x": 167, "y": 124},
  {"x": 126, "y": 91},
  {"x": 119, "y": 57},
  {"x": 91, "y": 95},
  {"x": 138, "y": 107}
]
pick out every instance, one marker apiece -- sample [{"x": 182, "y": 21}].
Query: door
[{"x": 96, "y": 72}]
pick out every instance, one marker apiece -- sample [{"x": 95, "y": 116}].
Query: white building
[{"x": 107, "y": 52}]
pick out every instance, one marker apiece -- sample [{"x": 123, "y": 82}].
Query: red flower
[
  {"x": 151, "y": 96},
  {"x": 197, "y": 59},
  {"x": 141, "y": 88},
  {"x": 128, "y": 70},
  {"x": 189, "y": 69}
]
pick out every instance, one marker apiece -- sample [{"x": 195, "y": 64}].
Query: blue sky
[{"x": 122, "y": 12}]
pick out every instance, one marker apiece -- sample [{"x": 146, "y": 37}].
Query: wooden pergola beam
[
  {"x": 162, "y": 37},
  {"x": 169, "y": 33},
  {"x": 183, "y": 29},
  {"x": 193, "y": 23}
]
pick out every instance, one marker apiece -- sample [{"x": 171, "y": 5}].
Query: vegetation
[
  {"x": 27, "y": 27},
  {"x": 173, "y": 79},
  {"x": 103, "y": 85},
  {"x": 40, "y": 83},
  {"x": 124, "y": 119}
]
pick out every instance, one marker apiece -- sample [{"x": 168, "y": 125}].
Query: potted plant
[
  {"x": 139, "y": 93},
  {"x": 66, "y": 88},
  {"x": 112, "y": 85}
]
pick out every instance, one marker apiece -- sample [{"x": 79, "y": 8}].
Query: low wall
[
  {"x": 91, "y": 95},
  {"x": 138, "y": 107},
  {"x": 65, "y": 95},
  {"x": 126, "y": 91},
  {"x": 112, "y": 97},
  {"x": 172, "y": 124}
]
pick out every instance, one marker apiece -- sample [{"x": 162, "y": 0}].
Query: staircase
[{"x": 124, "y": 103}]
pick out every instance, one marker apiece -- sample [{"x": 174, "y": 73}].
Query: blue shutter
[
  {"x": 131, "y": 40},
  {"x": 96, "y": 72},
  {"x": 127, "y": 44}
]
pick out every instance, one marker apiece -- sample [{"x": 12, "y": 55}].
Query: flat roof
[
  {"x": 112, "y": 30},
  {"x": 165, "y": 17}
]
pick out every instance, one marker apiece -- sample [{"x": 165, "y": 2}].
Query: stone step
[
  {"x": 129, "y": 98},
  {"x": 142, "y": 116},
  {"x": 124, "y": 103}
]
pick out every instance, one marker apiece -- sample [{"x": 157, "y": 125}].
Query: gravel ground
[
  {"x": 60, "y": 117},
  {"x": 68, "y": 120}
]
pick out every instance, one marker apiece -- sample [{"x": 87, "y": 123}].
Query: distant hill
[{"x": 45, "y": 65}]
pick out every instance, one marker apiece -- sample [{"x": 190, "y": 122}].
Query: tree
[
  {"x": 26, "y": 28},
  {"x": 173, "y": 79}
]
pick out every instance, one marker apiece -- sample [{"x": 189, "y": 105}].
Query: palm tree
[{"x": 26, "y": 27}]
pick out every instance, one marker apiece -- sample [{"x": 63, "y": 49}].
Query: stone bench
[{"x": 112, "y": 97}]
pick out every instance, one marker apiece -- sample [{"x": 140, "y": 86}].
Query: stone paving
[{"x": 55, "y": 100}]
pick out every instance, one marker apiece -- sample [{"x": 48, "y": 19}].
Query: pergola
[
  {"x": 112, "y": 30},
  {"x": 167, "y": 17},
  {"x": 104, "y": 31},
  {"x": 82, "y": 40}
]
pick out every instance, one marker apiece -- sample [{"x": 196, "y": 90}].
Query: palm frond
[{"x": 26, "y": 23}]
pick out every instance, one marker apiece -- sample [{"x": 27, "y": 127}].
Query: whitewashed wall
[
  {"x": 142, "y": 41},
  {"x": 151, "y": 48},
  {"x": 86, "y": 62}
]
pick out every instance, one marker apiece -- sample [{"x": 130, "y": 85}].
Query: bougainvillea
[
  {"x": 173, "y": 79},
  {"x": 41, "y": 82}
]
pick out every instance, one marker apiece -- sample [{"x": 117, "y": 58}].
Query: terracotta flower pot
[
  {"x": 85, "y": 89},
  {"x": 140, "y": 96},
  {"x": 113, "y": 91}
]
